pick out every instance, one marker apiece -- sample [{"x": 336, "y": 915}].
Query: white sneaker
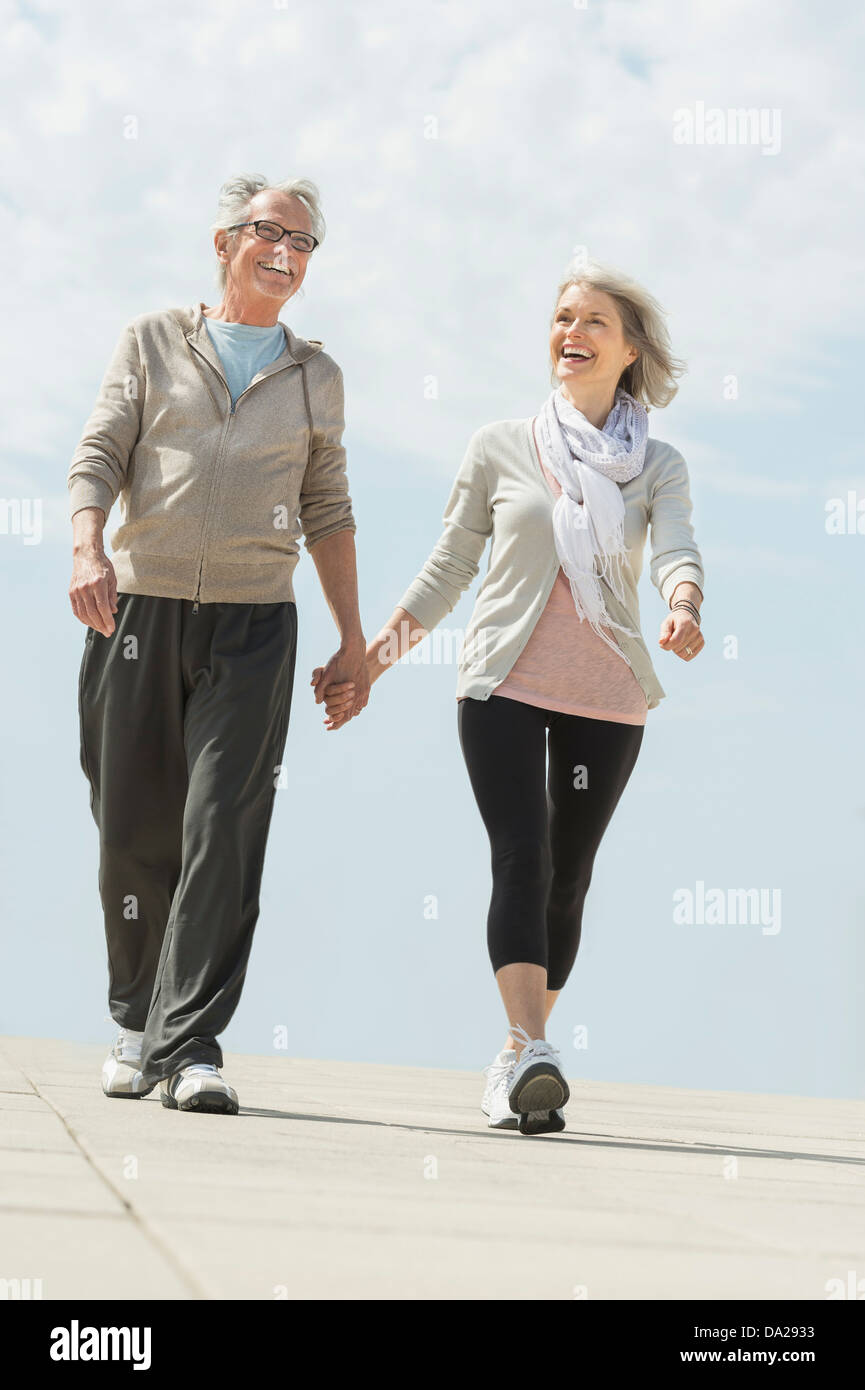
[
  {"x": 199, "y": 1087},
  {"x": 121, "y": 1074},
  {"x": 495, "y": 1101},
  {"x": 537, "y": 1089}
]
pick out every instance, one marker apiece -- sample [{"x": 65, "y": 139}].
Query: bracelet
[{"x": 689, "y": 607}]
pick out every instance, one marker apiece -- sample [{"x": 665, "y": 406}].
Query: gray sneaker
[
  {"x": 121, "y": 1075},
  {"x": 537, "y": 1089},
  {"x": 199, "y": 1087}
]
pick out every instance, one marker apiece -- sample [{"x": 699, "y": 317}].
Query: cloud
[{"x": 462, "y": 152}]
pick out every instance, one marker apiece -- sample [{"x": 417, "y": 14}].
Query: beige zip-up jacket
[
  {"x": 213, "y": 497},
  {"x": 500, "y": 493}
]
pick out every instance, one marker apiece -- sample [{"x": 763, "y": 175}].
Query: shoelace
[
  {"x": 534, "y": 1047},
  {"x": 497, "y": 1072}
]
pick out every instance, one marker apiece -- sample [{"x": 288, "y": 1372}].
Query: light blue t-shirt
[{"x": 244, "y": 349}]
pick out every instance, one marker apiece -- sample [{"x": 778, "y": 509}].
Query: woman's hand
[{"x": 681, "y": 634}]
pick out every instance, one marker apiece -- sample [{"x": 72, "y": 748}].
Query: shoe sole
[
  {"x": 203, "y": 1103},
  {"x": 541, "y": 1122},
  {"x": 541, "y": 1088}
]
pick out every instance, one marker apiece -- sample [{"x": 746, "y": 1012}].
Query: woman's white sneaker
[
  {"x": 495, "y": 1102},
  {"x": 121, "y": 1071},
  {"x": 537, "y": 1089},
  {"x": 199, "y": 1087}
]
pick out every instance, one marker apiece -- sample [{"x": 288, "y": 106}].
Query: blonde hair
[{"x": 651, "y": 377}]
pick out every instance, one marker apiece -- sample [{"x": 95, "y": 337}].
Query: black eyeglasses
[{"x": 271, "y": 231}]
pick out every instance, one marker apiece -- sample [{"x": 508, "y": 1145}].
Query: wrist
[
  {"x": 684, "y": 605},
  {"x": 687, "y": 589},
  {"x": 374, "y": 664},
  {"x": 353, "y": 644}
]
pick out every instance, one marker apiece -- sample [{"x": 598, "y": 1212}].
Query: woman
[{"x": 553, "y": 661}]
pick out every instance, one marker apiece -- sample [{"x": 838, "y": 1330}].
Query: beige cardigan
[
  {"x": 501, "y": 492},
  {"x": 213, "y": 498}
]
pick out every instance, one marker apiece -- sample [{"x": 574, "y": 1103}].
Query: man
[{"x": 219, "y": 430}]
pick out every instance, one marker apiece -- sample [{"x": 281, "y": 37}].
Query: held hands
[{"x": 344, "y": 685}]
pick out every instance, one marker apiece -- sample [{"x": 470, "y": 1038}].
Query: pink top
[{"x": 566, "y": 666}]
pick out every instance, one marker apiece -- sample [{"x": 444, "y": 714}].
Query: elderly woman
[
  {"x": 219, "y": 429},
  {"x": 553, "y": 664}
]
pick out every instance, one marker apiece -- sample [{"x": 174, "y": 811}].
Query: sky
[{"x": 464, "y": 153}]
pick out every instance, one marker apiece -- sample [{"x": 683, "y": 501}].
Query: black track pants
[
  {"x": 184, "y": 718},
  {"x": 544, "y": 832}
]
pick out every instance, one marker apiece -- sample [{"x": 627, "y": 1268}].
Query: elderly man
[{"x": 219, "y": 429}]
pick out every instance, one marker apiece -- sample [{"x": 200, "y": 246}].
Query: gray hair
[
  {"x": 651, "y": 378},
  {"x": 236, "y": 195}
]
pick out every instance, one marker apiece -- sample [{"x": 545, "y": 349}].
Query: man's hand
[
  {"x": 93, "y": 587},
  {"x": 343, "y": 684}
]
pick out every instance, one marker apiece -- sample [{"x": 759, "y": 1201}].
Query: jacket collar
[{"x": 296, "y": 349}]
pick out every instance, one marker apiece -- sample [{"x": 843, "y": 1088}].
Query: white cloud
[{"x": 442, "y": 255}]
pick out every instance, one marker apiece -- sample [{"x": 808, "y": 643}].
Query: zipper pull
[{"x": 195, "y": 606}]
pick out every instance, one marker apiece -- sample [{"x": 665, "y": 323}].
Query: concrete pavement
[{"x": 345, "y": 1180}]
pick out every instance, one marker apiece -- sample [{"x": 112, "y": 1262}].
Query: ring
[{"x": 688, "y": 650}]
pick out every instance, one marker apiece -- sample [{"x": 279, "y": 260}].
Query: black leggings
[{"x": 544, "y": 831}]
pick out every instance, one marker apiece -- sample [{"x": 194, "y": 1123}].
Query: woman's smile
[{"x": 577, "y": 355}]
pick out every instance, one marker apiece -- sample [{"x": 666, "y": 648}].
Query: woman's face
[{"x": 587, "y": 345}]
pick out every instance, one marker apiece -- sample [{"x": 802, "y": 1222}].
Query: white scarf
[{"x": 590, "y": 461}]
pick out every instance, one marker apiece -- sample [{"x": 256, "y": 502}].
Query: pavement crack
[{"x": 197, "y": 1290}]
